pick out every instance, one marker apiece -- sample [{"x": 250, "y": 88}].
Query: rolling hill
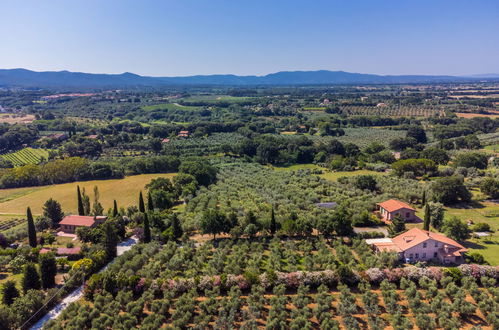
[{"x": 66, "y": 79}]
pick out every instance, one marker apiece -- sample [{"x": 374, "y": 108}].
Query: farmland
[
  {"x": 170, "y": 106},
  {"x": 365, "y": 136},
  {"x": 11, "y": 118},
  {"x": 26, "y": 156},
  {"x": 16, "y": 200},
  {"x": 394, "y": 111},
  {"x": 262, "y": 286}
]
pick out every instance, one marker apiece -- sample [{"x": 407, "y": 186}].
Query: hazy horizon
[{"x": 188, "y": 37}]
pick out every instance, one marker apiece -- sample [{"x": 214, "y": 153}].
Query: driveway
[{"x": 78, "y": 292}]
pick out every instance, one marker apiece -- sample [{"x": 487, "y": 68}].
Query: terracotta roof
[
  {"x": 394, "y": 205},
  {"x": 78, "y": 220},
  {"x": 417, "y": 236},
  {"x": 165, "y": 140}
]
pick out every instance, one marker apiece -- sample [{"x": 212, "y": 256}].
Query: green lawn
[
  {"x": 334, "y": 176},
  {"x": 486, "y": 212}
]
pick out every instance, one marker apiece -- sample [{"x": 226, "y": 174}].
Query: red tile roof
[
  {"x": 78, "y": 220},
  {"x": 416, "y": 236},
  {"x": 394, "y": 205}
]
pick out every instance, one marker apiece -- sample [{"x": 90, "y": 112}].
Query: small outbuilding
[
  {"x": 393, "y": 208},
  {"x": 70, "y": 223}
]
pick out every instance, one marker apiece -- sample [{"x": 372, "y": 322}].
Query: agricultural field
[
  {"x": 475, "y": 115},
  {"x": 245, "y": 187},
  {"x": 216, "y": 98},
  {"x": 170, "y": 106},
  {"x": 27, "y": 156},
  {"x": 206, "y": 145},
  {"x": 259, "y": 284},
  {"x": 364, "y": 136},
  {"x": 16, "y": 200},
  {"x": 11, "y": 118},
  {"x": 394, "y": 111}
]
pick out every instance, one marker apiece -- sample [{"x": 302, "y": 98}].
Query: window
[
  {"x": 417, "y": 255},
  {"x": 407, "y": 215},
  {"x": 424, "y": 245},
  {"x": 424, "y": 255},
  {"x": 436, "y": 244},
  {"x": 434, "y": 255}
]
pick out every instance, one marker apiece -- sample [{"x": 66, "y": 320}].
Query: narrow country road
[{"x": 78, "y": 293}]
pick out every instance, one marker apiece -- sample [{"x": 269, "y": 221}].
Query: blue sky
[{"x": 185, "y": 37}]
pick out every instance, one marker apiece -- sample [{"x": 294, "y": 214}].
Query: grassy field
[
  {"x": 12, "y": 118},
  {"x": 26, "y": 156},
  {"x": 487, "y": 212},
  {"x": 332, "y": 176},
  {"x": 170, "y": 106},
  {"x": 125, "y": 191}
]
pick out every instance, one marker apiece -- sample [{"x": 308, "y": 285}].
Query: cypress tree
[
  {"x": 150, "y": 204},
  {"x": 9, "y": 292},
  {"x": 31, "y": 278},
  {"x": 115, "y": 209},
  {"x": 147, "y": 229},
  {"x": 48, "y": 270},
  {"x": 81, "y": 209},
  {"x": 31, "y": 228},
  {"x": 110, "y": 240},
  {"x": 176, "y": 227},
  {"x": 142, "y": 207},
  {"x": 423, "y": 199},
  {"x": 427, "y": 217},
  {"x": 273, "y": 224}
]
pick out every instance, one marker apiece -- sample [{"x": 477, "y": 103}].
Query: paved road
[{"x": 78, "y": 293}]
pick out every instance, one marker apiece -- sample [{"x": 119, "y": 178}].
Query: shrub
[{"x": 481, "y": 226}]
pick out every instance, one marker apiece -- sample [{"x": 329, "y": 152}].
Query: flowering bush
[
  {"x": 375, "y": 275},
  {"x": 478, "y": 271},
  {"x": 206, "y": 282}
]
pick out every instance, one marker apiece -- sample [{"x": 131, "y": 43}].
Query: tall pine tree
[
  {"x": 31, "y": 228},
  {"x": 115, "y": 209},
  {"x": 427, "y": 217},
  {"x": 81, "y": 209},
  {"x": 147, "y": 228},
  {"x": 150, "y": 204},
  {"x": 142, "y": 207}
]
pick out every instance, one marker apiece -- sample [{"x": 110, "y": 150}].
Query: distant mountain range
[{"x": 66, "y": 79}]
